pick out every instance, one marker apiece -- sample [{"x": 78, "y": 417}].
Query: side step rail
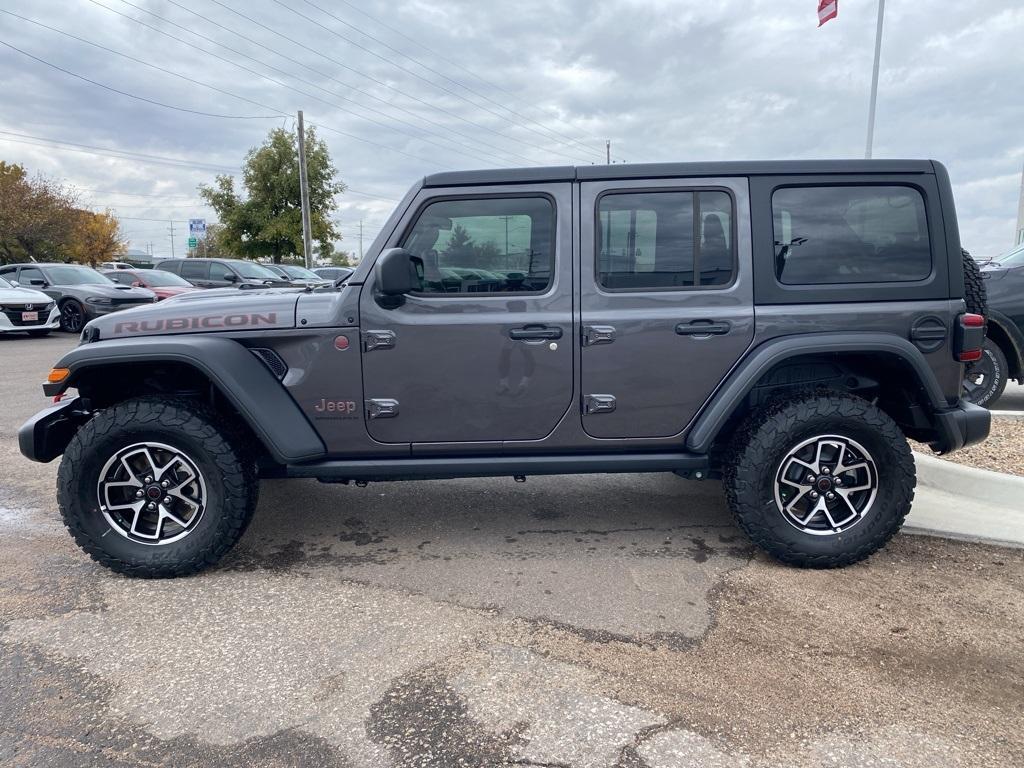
[{"x": 338, "y": 470}]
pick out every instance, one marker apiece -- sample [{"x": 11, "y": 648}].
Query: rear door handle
[
  {"x": 703, "y": 328},
  {"x": 535, "y": 333}
]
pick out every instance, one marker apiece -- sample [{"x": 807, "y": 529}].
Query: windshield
[
  {"x": 71, "y": 275},
  {"x": 300, "y": 273},
  {"x": 251, "y": 271},
  {"x": 5, "y": 284},
  {"x": 1014, "y": 258},
  {"x": 161, "y": 279}
]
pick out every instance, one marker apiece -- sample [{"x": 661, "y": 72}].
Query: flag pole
[{"x": 874, "y": 81}]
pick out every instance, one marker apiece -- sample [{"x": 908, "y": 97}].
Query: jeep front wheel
[
  {"x": 156, "y": 487},
  {"x": 820, "y": 480}
]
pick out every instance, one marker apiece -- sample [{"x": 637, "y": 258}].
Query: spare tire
[{"x": 974, "y": 286}]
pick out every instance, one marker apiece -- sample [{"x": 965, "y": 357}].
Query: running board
[{"x": 485, "y": 466}]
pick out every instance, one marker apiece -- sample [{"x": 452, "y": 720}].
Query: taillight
[{"x": 970, "y": 337}]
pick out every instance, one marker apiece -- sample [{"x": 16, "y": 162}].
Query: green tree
[{"x": 266, "y": 221}]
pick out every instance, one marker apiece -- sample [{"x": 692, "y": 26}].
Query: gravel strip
[{"x": 1003, "y": 451}]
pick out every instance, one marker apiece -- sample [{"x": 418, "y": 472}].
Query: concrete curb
[
  {"x": 954, "y": 500},
  {"x": 1014, "y": 415}
]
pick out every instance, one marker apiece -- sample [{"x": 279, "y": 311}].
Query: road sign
[
  {"x": 192, "y": 242},
  {"x": 196, "y": 228}
]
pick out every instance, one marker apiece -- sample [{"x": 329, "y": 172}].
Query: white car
[{"x": 25, "y": 309}]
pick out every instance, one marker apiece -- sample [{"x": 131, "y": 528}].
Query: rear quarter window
[{"x": 850, "y": 234}]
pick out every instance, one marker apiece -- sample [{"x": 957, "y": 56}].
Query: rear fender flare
[{"x": 763, "y": 358}]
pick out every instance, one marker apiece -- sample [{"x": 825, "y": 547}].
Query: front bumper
[
  {"x": 959, "y": 427},
  {"x": 51, "y": 322},
  {"x": 45, "y": 436}
]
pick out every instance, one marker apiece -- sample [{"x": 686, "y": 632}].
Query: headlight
[{"x": 99, "y": 300}]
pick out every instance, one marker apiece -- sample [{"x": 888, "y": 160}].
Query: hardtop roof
[{"x": 668, "y": 170}]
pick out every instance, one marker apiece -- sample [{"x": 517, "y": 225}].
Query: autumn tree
[
  {"x": 264, "y": 220},
  {"x": 95, "y": 237},
  {"x": 35, "y": 215}
]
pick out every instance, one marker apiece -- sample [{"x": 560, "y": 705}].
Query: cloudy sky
[{"x": 400, "y": 88}]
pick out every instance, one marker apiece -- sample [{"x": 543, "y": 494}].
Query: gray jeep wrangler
[{"x": 783, "y": 326}]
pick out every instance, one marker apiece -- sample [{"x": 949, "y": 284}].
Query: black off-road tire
[
  {"x": 975, "y": 295},
  {"x": 212, "y": 443},
  {"x": 761, "y": 444},
  {"x": 992, "y": 367}
]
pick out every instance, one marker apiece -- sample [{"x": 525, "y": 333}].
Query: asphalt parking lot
[{"x": 580, "y": 621}]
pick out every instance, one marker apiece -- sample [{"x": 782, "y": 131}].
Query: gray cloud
[{"x": 665, "y": 80}]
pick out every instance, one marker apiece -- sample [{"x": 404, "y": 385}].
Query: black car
[
  {"x": 81, "y": 292},
  {"x": 1003, "y": 356},
  {"x": 299, "y": 276},
  {"x": 334, "y": 274},
  {"x": 223, "y": 273}
]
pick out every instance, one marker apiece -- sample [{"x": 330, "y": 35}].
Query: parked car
[
  {"x": 784, "y": 326},
  {"x": 334, "y": 274},
  {"x": 299, "y": 276},
  {"x": 223, "y": 273},
  {"x": 26, "y": 310},
  {"x": 1003, "y": 356},
  {"x": 105, "y": 265},
  {"x": 162, "y": 283},
  {"x": 81, "y": 293}
]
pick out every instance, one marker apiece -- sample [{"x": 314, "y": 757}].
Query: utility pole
[
  {"x": 874, "y": 81},
  {"x": 307, "y": 243},
  {"x": 171, "y": 222},
  {"x": 360, "y": 241},
  {"x": 608, "y": 151}
]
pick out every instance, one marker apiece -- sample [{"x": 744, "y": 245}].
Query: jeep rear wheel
[
  {"x": 156, "y": 487},
  {"x": 820, "y": 480}
]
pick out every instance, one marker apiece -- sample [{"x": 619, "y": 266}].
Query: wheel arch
[
  {"x": 109, "y": 372},
  {"x": 1005, "y": 334},
  {"x": 859, "y": 362}
]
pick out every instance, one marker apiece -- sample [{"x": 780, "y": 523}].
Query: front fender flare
[
  {"x": 262, "y": 401},
  {"x": 745, "y": 376}
]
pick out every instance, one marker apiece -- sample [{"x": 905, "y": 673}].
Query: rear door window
[
  {"x": 195, "y": 270},
  {"x": 850, "y": 234},
  {"x": 665, "y": 240}
]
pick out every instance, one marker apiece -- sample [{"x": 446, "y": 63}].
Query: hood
[
  {"x": 201, "y": 312},
  {"x": 23, "y": 296},
  {"x": 111, "y": 291}
]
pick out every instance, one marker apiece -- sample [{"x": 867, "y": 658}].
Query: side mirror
[
  {"x": 398, "y": 272},
  {"x": 231, "y": 277},
  {"x": 137, "y": 284},
  {"x": 38, "y": 282},
  {"x": 15, "y": 283}
]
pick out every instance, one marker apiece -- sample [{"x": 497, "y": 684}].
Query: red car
[{"x": 163, "y": 284}]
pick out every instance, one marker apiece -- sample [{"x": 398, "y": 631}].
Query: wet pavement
[{"x": 576, "y": 621}]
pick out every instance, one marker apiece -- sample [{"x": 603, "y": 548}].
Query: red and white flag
[{"x": 827, "y": 9}]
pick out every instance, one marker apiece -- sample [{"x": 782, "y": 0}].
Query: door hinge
[
  {"x": 598, "y": 334},
  {"x": 598, "y": 403},
  {"x": 378, "y": 340},
  {"x": 381, "y": 408}
]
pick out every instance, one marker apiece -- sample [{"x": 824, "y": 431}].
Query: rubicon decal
[{"x": 199, "y": 323}]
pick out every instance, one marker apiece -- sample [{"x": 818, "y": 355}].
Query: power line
[
  {"x": 378, "y": 81},
  {"x": 431, "y": 51},
  {"x": 279, "y": 113},
  {"x": 566, "y": 140},
  {"x": 418, "y": 118},
  {"x": 409, "y": 72},
  {"x": 126, "y": 93}
]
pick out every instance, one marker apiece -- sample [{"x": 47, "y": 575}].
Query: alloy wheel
[
  {"x": 826, "y": 485},
  {"x": 152, "y": 493}
]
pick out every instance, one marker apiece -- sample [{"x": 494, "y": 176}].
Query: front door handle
[
  {"x": 703, "y": 328},
  {"x": 535, "y": 333}
]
